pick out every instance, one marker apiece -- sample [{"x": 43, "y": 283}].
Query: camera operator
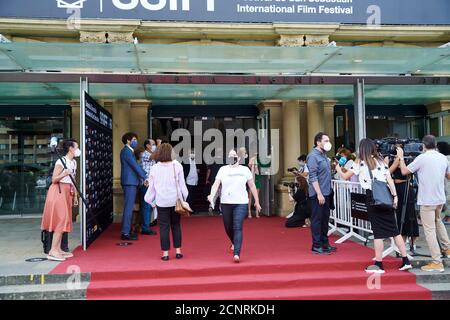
[
  {"x": 403, "y": 186},
  {"x": 432, "y": 167},
  {"x": 298, "y": 192},
  {"x": 370, "y": 167}
]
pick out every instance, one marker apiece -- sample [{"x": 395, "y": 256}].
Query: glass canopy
[
  {"x": 151, "y": 58},
  {"x": 178, "y": 94},
  {"x": 105, "y": 59}
]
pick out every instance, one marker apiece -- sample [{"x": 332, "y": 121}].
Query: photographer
[
  {"x": 410, "y": 226},
  {"x": 298, "y": 192},
  {"x": 370, "y": 167},
  {"x": 432, "y": 167}
]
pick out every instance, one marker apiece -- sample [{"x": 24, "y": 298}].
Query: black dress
[
  {"x": 410, "y": 226},
  {"x": 383, "y": 222}
]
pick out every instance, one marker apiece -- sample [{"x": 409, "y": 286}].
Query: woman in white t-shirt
[
  {"x": 233, "y": 179},
  {"x": 384, "y": 223}
]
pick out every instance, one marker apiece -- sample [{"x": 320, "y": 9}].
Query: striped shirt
[{"x": 147, "y": 162}]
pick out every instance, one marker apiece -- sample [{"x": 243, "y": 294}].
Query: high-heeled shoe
[
  {"x": 165, "y": 258},
  {"x": 179, "y": 255}
]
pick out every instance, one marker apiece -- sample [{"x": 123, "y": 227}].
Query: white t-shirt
[
  {"x": 362, "y": 171},
  {"x": 432, "y": 168},
  {"x": 234, "y": 181},
  {"x": 71, "y": 165}
]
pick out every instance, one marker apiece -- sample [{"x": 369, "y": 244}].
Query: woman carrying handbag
[
  {"x": 167, "y": 186},
  {"x": 375, "y": 178}
]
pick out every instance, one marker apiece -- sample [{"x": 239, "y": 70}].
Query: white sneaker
[
  {"x": 405, "y": 267},
  {"x": 374, "y": 269}
]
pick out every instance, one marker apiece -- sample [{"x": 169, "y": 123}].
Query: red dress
[{"x": 57, "y": 215}]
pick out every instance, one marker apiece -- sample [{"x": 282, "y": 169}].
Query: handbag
[
  {"x": 181, "y": 206},
  {"x": 47, "y": 237},
  {"x": 379, "y": 197}
]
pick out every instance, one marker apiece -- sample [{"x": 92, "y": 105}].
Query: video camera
[
  {"x": 292, "y": 170},
  {"x": 387, "y": 147}
]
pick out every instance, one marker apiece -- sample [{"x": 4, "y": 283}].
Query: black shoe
[
  {"x": 154, "y": 223},
  {"x": 149, "y": 232},
  {"x": 320, "y": 251},
  {"x": 329, "y": 248},
  {"x": 179, "y": 256},
  {"x": 129, "y": 237},
  {"x": 165, "y": 258}
]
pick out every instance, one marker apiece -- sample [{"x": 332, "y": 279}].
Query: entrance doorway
[
  {"x": 25, "y": 158},
  {"x": 164, "y": 120}
]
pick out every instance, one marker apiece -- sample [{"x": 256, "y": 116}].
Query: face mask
[
  {"x": 301, "y": 164},
  {"x": 327, "y": 147},
  {"x": 134, "y": 144},
  {"x": 77, "y": 153},
  {"x": 153, "y": 148}
]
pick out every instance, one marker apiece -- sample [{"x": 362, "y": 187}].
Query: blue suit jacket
[{"x": 131, "y": 172}]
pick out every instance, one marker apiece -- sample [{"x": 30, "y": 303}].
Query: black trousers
[
  {"x": 169, "y": 219},
  {"x": 320, "y": 215},
  {"x": 191, "y": 191}
]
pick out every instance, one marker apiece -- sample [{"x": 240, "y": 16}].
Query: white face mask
[
  {"x": 77, "y": 153},
  {"x": 327, "y": 147},
  {"x": 153, "y": 148}
]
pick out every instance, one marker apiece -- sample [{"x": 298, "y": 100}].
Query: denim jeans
[
  {"x": 320, "y": 215},
  {"x": 146, "y": 211},
  {"x": 233, "y": 220}
]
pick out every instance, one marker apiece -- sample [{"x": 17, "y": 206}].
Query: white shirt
[
  {"x": 432, "y": 168},
  {"x": 192, "y": 177},
  {"x": 71, "y": 165},
  {"x": 162, "y": 184},
  {"x": 362, "y": 171},
  {"x": 234, "y": 181}
]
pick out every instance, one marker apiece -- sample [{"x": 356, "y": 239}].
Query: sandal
[
  {"x": 67, "y": 255},
  {"x": 55, "y": 258}
]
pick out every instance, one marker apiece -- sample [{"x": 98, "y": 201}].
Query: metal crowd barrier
[{"x": 341, "y": 219}]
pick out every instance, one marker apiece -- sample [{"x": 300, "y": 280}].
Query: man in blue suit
[{"x": 131, "y": 176}]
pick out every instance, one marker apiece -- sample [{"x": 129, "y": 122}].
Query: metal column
[
  {"x": 360, "y": 111},
  {"x": 84, "y": 87}
]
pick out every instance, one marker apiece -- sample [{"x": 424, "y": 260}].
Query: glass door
[{"x": 25, "y": 160}]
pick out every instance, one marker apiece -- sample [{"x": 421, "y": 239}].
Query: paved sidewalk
[{"x": 20, "y": 239}]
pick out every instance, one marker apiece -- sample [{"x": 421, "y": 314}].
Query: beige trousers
[{"x": 435, "y": 231}]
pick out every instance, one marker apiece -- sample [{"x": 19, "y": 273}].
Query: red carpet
[{"x": 276, "y": 264}]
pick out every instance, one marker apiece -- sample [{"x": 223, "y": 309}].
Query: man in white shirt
[
  {"x": 432, "y": 168},
  {"x": 191, "y": 175}
]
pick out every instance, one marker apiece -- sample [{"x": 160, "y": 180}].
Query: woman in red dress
[{"x": 61, "y": 198}]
